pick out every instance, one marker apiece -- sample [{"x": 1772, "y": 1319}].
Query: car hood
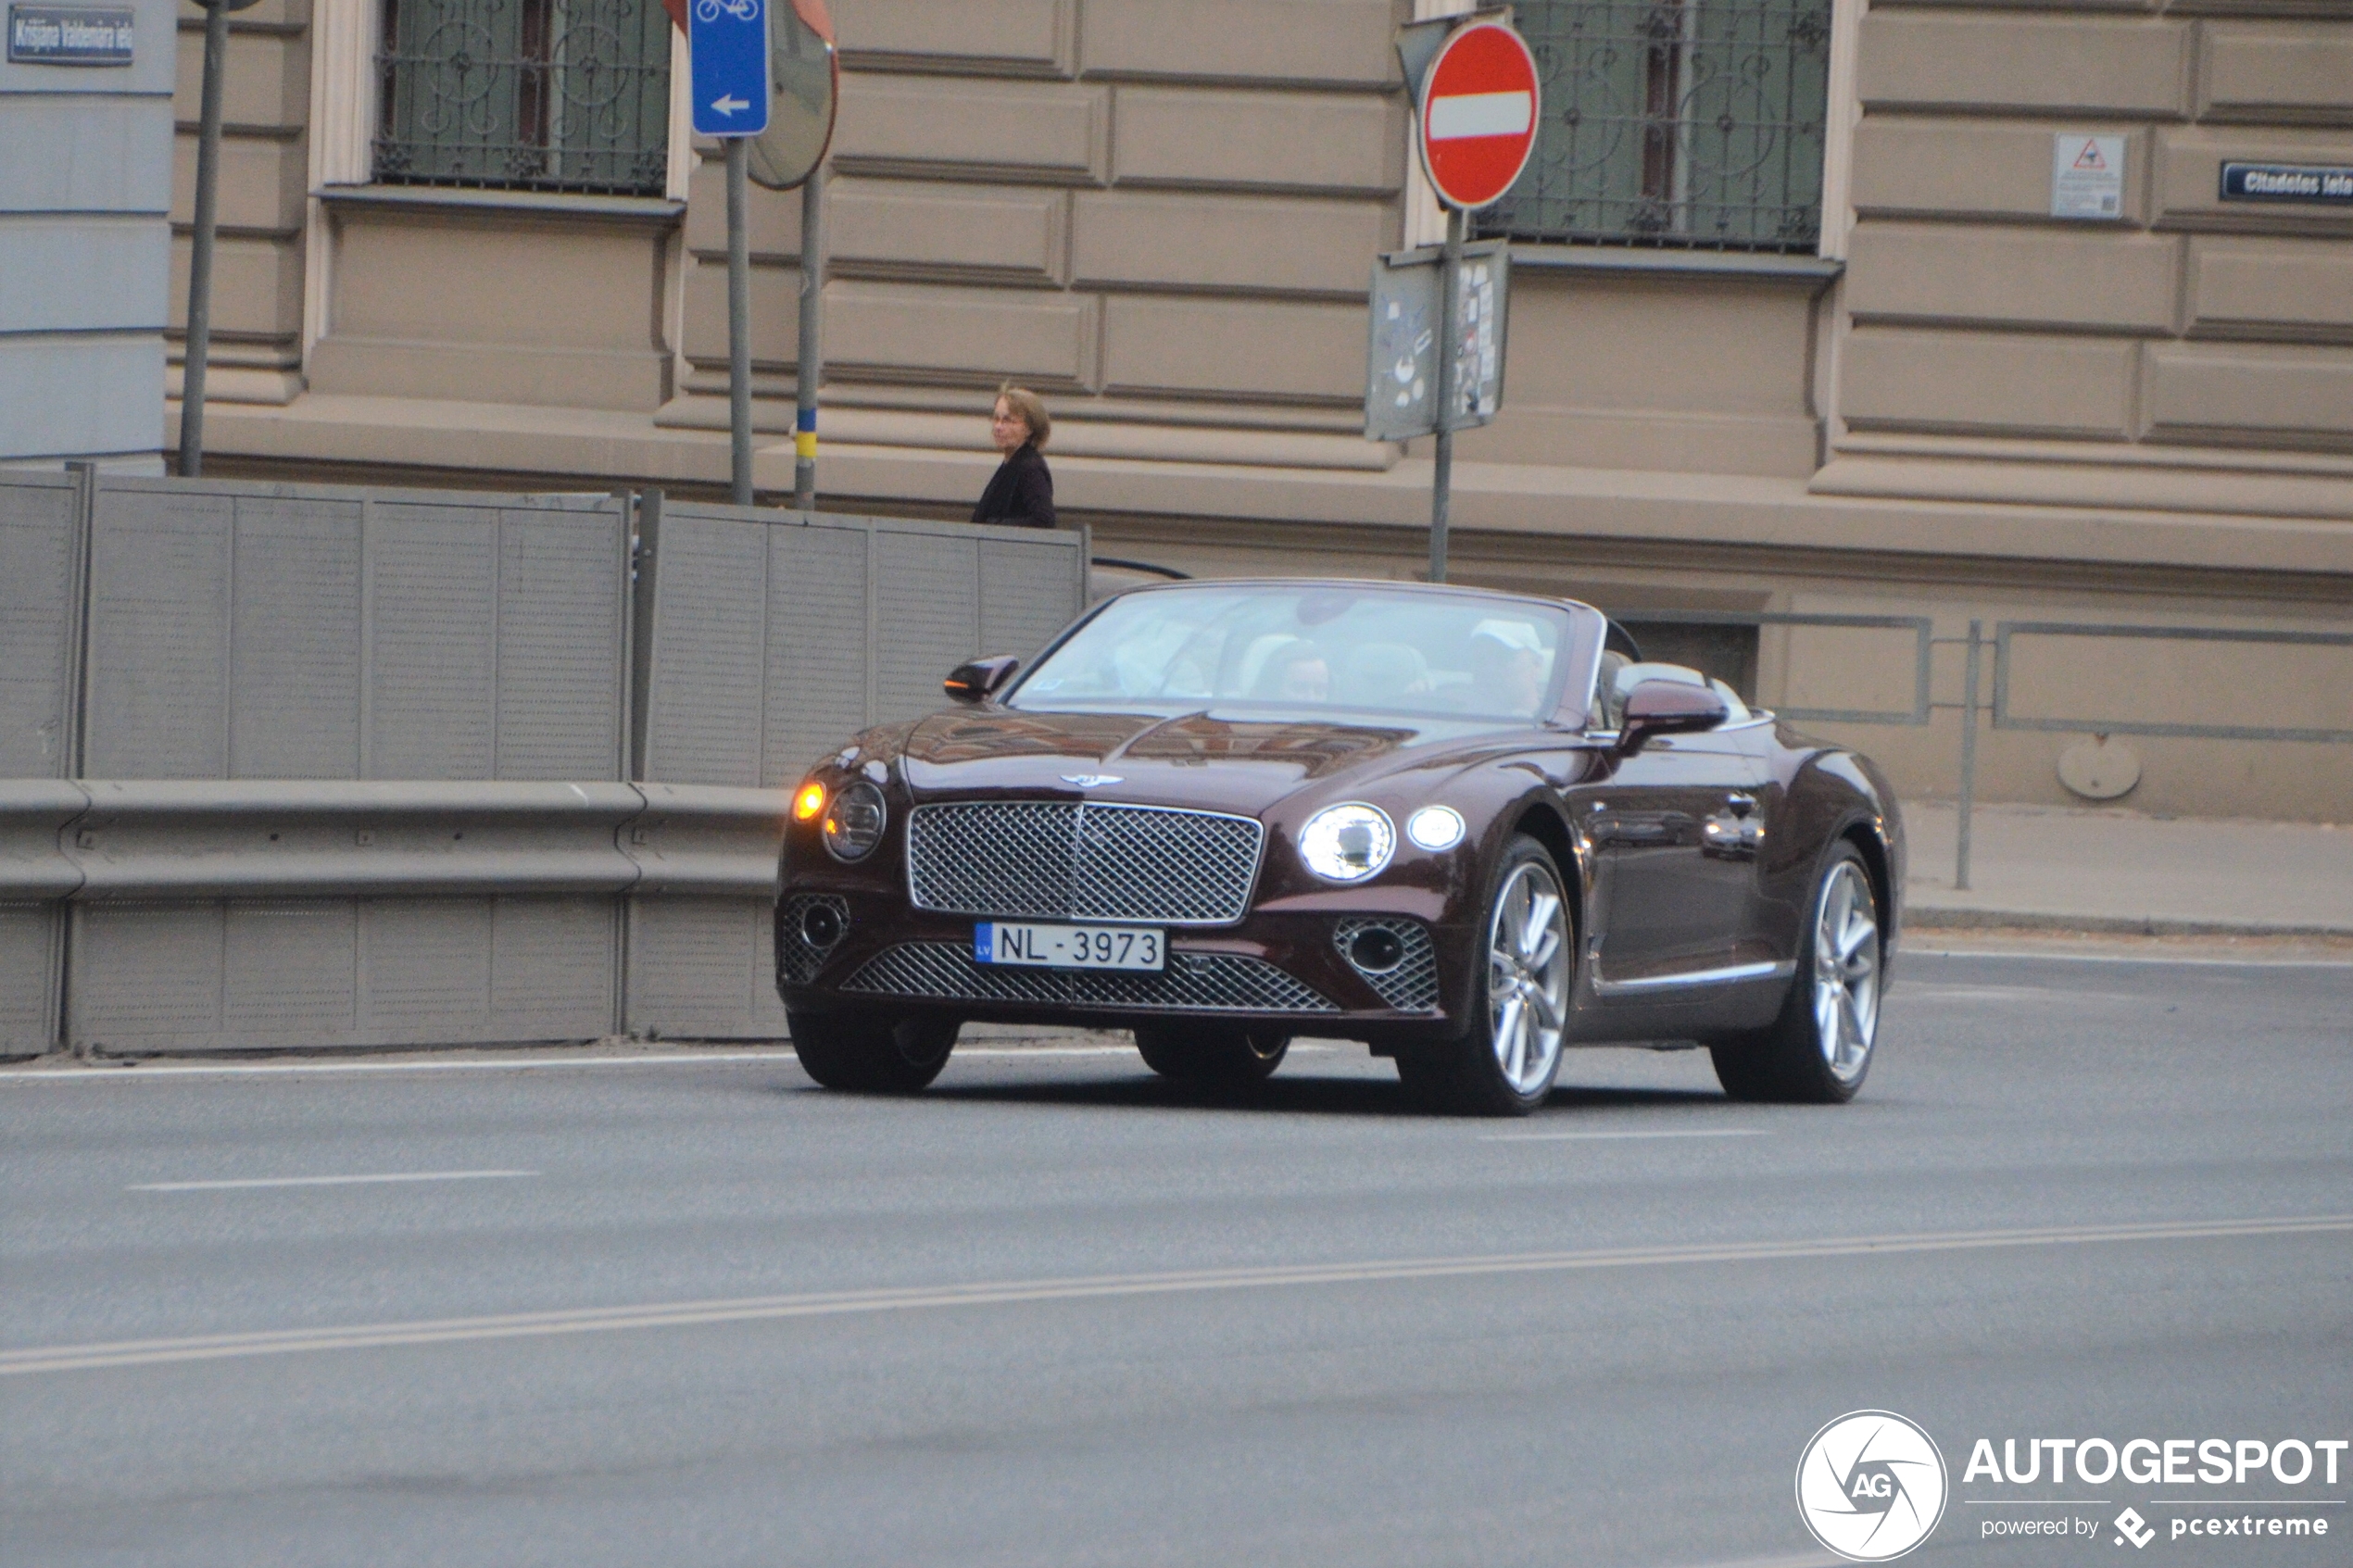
[{"x": 1220, "y": 762}]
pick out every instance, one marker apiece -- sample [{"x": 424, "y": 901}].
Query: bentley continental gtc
[{"x": 1470, "y": 829}]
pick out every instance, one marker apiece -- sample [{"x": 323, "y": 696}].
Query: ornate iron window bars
[
  {"x": 524, "y": 95},
  {"x": 1684, "y": 123}
]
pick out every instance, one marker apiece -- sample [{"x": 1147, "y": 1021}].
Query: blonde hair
[{"x": 1032, "y": 409}]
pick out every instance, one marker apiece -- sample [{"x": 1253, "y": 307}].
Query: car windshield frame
[{"x": 1579, "y": 635}]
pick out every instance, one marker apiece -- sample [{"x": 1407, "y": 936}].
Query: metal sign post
[
  {"x": 806, "y": 78},
  {"x": 727, "y": 56},
  {"x": 197, "y": 350},
  {"x": 1476, "y": 102}
]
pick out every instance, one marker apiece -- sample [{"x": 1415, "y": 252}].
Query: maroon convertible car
[{"x": 1467, "y": 828}]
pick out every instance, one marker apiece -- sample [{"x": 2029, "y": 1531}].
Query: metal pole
[
  {"x": 1969, "y": 759},
  {"x": 810, "y": 349},
  {"x": 197, "y": 349},
  {"x": 738, "y": 325},
  {"x": 1450, "y": 327}
]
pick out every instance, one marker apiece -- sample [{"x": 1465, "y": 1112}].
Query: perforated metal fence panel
[
  {"x": 37, "y": 515},
  {"x": 305, "y": 633},
  {"x": 775, "y": 637},
  {"x": 254, "y": 740},
  {"x": 39, "y": 608},
  {"x": 273, "y": 973}
]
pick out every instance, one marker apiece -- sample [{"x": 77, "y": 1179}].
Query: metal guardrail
[
  {"x": 2001, "y": 711},
  {"x": 2004, "y": 719},
  {"x": 1920, "y": 626},
  {"x": 97, "y": 841}
]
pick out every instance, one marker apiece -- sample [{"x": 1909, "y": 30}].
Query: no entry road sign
[
  {"x": 1480, "y": 105},
  {"x": 727, "y": 62}
]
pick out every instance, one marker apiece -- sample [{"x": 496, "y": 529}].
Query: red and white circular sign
[{"x": 1479, "y": 114}]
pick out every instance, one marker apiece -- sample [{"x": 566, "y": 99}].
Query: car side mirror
[
  {"x": 981, "y": 679},
  {"x": 1667, "y": 708}
]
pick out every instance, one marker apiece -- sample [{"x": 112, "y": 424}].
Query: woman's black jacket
[{"x": 1021, "y": 493}]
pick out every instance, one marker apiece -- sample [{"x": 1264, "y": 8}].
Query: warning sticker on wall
[{"x": 2087, "y": 176}]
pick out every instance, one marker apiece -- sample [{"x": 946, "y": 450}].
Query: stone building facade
[{"x": 1881, "y": 378}]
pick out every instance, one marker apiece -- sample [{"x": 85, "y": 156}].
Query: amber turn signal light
[{"x": 808, "y": 802}]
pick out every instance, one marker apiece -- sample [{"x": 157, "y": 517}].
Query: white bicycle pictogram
[{"x": 742, "y": 10}]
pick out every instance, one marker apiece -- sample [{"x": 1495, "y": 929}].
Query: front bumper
[{"x": 1289, "y": 969}]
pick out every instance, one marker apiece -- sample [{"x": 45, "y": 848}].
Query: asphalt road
[{"x": 682, "y": 1312}]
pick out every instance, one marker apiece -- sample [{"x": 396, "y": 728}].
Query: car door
[{"x": 1674, "y": 833}]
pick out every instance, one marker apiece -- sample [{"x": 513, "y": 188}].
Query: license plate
[{"x": 1070, "y": 946}]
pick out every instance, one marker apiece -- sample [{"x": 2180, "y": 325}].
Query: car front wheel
[
  {"x": 1818, "y": 1050},
  {"x": 876, "y": 1055},
  {"x": 1505, "y": 1064}
]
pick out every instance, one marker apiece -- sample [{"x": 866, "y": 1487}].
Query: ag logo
[{"x": 1871, "y": 1485}]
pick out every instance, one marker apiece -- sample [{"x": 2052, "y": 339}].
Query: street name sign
[
  {"x": 69, "y": 36},
  {"x": 2328, "y": 183},
  {"x": 1479, "y": 108},
  {"x": 727, "y": 64}
]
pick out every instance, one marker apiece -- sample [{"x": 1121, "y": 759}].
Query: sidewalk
[{"x": 2111, "y": 871}]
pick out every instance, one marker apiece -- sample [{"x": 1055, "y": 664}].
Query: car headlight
[
  {"x": 1347, "y": 843},
  {"x": 854, "y": 821},
  {"x": 1435, "y": 827}
]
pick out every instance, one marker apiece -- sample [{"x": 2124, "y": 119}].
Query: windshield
[{"x": 1360, "y": 649}]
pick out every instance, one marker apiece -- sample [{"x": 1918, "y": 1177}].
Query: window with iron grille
[
  {"x": 1684, "y": 123},
  {"x": 524, "y": 95}
]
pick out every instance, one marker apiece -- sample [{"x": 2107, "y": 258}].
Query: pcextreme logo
[{"x": 1871, "y": 1485}]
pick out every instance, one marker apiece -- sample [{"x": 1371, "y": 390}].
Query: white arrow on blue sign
[{"x": 727, "y": 53}]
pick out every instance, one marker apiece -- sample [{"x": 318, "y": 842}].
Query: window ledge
[
  {"x": 1763, "y": 267},
  {"x": 654, "y": 211}
]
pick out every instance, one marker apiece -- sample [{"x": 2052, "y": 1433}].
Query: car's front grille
[
  {"x": 1081, "y": 860},
  {"x": 1192, "y": 982}
]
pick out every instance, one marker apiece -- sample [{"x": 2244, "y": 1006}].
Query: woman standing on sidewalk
[{"x": 1022, "y": 492}]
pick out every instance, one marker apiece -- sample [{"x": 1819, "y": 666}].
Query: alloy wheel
[
  {"x": 1528, "y": 976},
  {"x": 1846, "y": 971}
]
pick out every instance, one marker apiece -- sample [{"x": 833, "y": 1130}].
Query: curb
[{"x": 1935, "y": 918}]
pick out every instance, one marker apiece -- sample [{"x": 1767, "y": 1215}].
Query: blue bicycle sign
[{"x": 727, "y": 51}]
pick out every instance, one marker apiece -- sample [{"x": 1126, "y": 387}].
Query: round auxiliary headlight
[
  {"x": 1435, "y": 827},
  {"x": 1347, "y": 843},
  {"x": 854, "y": 822}
]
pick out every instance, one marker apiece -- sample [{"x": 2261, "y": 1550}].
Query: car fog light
[
  {"x": 1376, "y": 951},
  {"x": 1347, "y": 843},
  {"x": 854, "y": 822},
  {"x": 821, "y": 925},
  {"x": 1435, "y": 827}
]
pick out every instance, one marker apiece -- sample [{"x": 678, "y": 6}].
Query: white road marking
[
  {"x": 2161, "y": 961},
  {"x": 151, "y": 1072},
  {"x": 1679, "y": 1133},
  {"x": 837, "y": 1303},
  {"x": 148, "y": 1072},
  {"x": 328, "y": 1181}
]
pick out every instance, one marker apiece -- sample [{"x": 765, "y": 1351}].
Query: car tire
[
  {"x": 1819, "y": 1050},
  {"x": 1214, "y": 1057},
  {"x": 868, "y": 1054},
  {"x": 1507, "y": 1060}
]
